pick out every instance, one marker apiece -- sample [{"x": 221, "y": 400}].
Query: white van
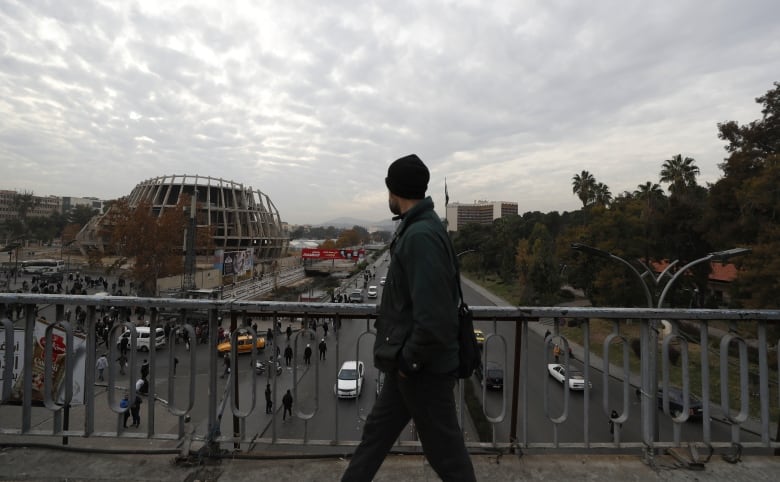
[{"x": 142, "y": 338}]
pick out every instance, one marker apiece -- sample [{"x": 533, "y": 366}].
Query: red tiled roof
[{"x": 719, "y": 271}]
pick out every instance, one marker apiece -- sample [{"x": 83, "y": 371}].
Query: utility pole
[{"x": 189, "y": 241}]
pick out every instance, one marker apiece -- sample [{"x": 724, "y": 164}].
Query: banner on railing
[
  {"x": 60, "y": 351},
  {"x": 234, "y": 263}
]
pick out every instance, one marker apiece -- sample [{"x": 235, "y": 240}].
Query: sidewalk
[{"x": 42, "y": 464}]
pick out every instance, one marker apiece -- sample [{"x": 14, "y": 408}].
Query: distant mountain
[{"x": 346, "y": 222}]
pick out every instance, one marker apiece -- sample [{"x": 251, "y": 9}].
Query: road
[{"x": 572, "y": 422}]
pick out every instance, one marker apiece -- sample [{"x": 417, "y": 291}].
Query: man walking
[
  {"x": 416, "y": 342},
  {"x": 287, "y": 401},
  {"x": 101, "y": 364},
  {"x": 268, "y": 402},
  {"x": 323, "y": 347},
  {"x": 288, "y": 354},
  {"x": 135, "y": 411},
  {"x": 307, "y": 354},
  {"x": 122, "y": 361}
]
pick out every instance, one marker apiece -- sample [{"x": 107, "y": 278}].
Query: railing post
[
  {"x": 649, "y": 388},
  {"x": 212, "y": 373}
]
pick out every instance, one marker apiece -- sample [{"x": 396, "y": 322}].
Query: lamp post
[
  {"x": 465, "y": 252},
  {"x": 718, "y": 256},
  {"x": 605, "y": 254},
  {"x": 649, "y": 343}
]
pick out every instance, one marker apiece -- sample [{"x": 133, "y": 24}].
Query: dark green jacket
[{"x": 417, "y": 327}]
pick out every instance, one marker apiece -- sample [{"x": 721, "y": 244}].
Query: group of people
[{"x": 141, "y": 387}]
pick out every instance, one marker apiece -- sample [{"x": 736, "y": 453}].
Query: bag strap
[{"x": 451, "y": 249}]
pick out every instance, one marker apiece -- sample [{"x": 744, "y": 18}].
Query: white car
[
  {"x": 142, "y": 338},
  {"x": 350, "y": 380},
  {"x": 576, "y": 380},
  {"x": 382, "y": 280},
  {"x": 372, "y": 291}
]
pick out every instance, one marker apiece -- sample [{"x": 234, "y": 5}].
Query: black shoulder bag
[{"x": 468, "y": 348}]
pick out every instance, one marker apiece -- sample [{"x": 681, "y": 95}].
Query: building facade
[
  {"x": 40, "y": 207},
  {"x": 239, "y": 217},
  {"x": 69, "y": 203},
  {"x": 479, "y": 212}
]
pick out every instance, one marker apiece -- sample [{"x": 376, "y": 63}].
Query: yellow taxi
[
  {"x": 479, "y": 336},
  {"x": 244, "y": 344}
]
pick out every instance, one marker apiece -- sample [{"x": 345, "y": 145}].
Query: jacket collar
[{"x": 411, "y": 216}]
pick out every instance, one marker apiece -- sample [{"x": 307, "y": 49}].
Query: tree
[
  {"x": 537, "y": 270},
  {"x": 22, "y": 204},
  {"x": 745, "y": 205},
  {"x": 679, "y": 173},
  {"x": 348, "y": 238},
  {"x": 583, "y": 185},
  {"x": 81, "y": 214},
  {"x": 154, "y": 243},
  {"x": 602, "y": 195},
  {"x": 651, "y": 196}
]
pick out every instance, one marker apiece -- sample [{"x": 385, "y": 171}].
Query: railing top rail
[{"x": 354, "y": 310}]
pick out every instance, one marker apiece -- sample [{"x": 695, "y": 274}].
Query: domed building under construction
[{"x": 239, "y": 217}]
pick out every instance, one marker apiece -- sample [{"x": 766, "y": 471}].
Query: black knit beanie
[{"x": 408, "y": 177}]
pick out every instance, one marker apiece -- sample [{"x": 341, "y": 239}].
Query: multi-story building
[
  {"x": 40, "y": 206},
  {"x": 69, "y": 203},
  {"x": 480, "y": 212}
]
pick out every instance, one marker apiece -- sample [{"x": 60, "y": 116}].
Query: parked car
[
  {"x": 244, "y": 344},
  {"x": 576, "y": 379},
  {"x": 382, "y": 280},
  {"x": 142, "y": 338},
  {"x": 695, "y": 406},
  {"x": 372, "y": 291},
  {"x": 349, "y": 383},
  {"x": 356, "y": 296},
  {"x": 492, "y": 376}
]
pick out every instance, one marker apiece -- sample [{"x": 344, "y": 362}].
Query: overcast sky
[{"x": 310, "y": 101}]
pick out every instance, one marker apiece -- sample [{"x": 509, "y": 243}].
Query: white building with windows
[{"x": 479, "y": 212}]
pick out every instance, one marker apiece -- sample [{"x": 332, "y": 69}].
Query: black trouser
[{"x": 428, "y": 399}]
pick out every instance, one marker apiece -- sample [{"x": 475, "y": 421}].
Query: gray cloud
[{"x": 310, "y": 101}]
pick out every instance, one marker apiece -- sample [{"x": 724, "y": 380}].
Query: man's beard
[{"x": 394, "y": 207}]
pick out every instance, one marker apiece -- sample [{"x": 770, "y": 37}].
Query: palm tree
[
  {"x": 602, "y": 195},
  {"x": 650, "y": 194},
  {"x": 679, "y": 173},
  {"x": 583, "y": 185}
]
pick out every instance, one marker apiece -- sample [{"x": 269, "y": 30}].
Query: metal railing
[
  {"x": 55, "y": 376},
  {"x": 264, "y": 285}
]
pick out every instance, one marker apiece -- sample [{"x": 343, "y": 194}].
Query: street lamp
[
  {"x": 648, "y": 340},
  {"x": 721, "y": 256},
  {"x": 605, "y": 254}
]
